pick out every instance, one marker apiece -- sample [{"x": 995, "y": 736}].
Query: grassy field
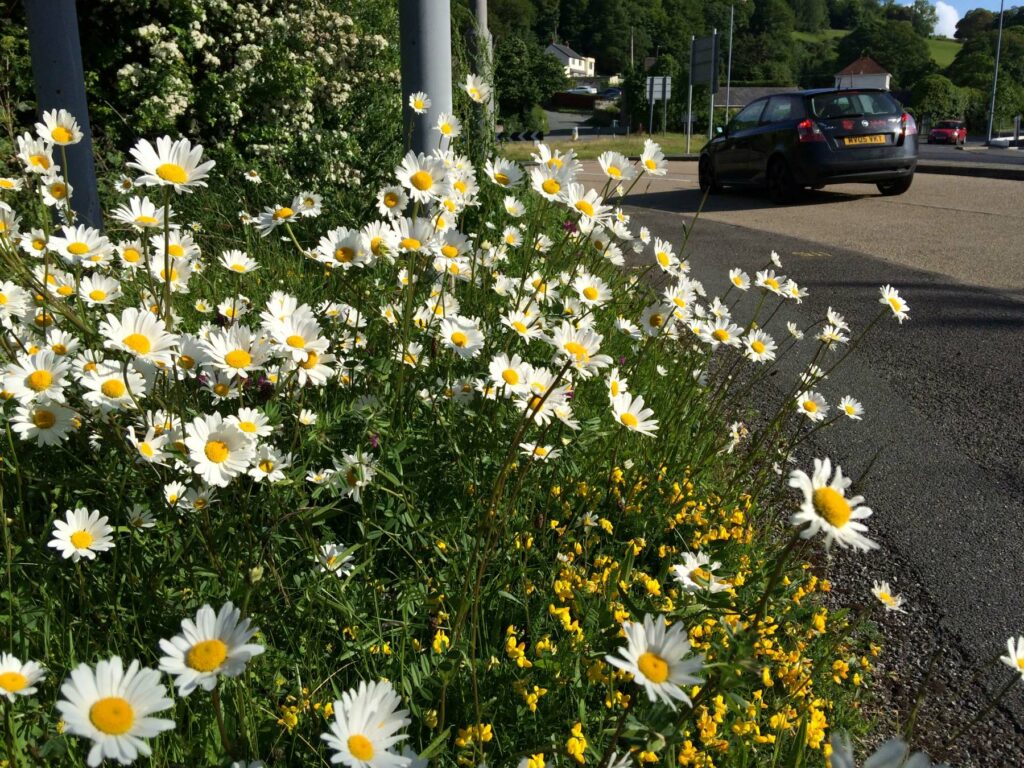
[
  {"x": 942, "y": 50},
  {"x": 589, "y": 149}
]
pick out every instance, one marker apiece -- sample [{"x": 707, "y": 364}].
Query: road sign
[
  {"x": 659, "y": 88},
  {"x": 704, "y": 62},
  {"x": 522, "y": 136}
]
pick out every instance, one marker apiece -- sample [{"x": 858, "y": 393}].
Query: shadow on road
[
  {"x": 688, "y": 200},
  {"x": 950, "y": 304}
]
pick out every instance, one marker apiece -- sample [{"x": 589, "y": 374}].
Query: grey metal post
[
  {"x": 60, "y": 83},
  {"x": 711, "y": 87},
  {"x": 689, "y": 99},
  {"x": 728, "y": 71},
  {"x": 650, "y": 102},
  {"x": 425, "y": 42},
  {"x": 995, "y": 74},
  {"x": 483, "y": 54},
  {"x": 664, "y": 106}
]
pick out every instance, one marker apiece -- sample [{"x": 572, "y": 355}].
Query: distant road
[{"x": 949, "y": 153}]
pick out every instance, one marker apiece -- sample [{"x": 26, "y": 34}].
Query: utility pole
[
  {"x": 425, "y": 42},
  {"x": 60, "y": 84},
  {"x": 482, "y": 52},
  {"x": 995, "y": 74},
  {"x": 728, "y": 70}
]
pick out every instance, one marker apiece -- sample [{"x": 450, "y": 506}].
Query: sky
[{"x": 951, "y": 11}]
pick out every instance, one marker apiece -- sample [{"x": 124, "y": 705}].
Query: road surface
[{"x": 943, "y": 393}]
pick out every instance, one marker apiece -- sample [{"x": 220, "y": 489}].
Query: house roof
[
  {"x": 566, "y": 51},
  {"x": 742, "y": 95},
  {"x": 865, "y": 65}
]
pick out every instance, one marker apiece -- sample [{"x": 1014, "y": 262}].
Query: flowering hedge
[{"x": 454, "y": 484}]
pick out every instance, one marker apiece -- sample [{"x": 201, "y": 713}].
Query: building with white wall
[
  {"x": 576, "y": 65},
  {"x": 865, "y": 72}
]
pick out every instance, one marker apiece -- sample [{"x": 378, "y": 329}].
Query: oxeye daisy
[
  {"x": 110, "y": 387},
  {"x": 18, "y": 679},
  {"x": 658, "y": 659},
  {"x": 477, "y": 88},
  {"x": 308, "y": 204},
  {"x": 391, "y": 200},
  {"x": 236, "y": 351},
  {"x": 366, "y": 726},
  {"x": 35, "y": 154},
  {"x": 652, "y": 159},
  {"x": 140, "y": 213},
  {"x": 502, "y": 172},
  {"x": 171, "y": 163},
  {"x": 47, "y": 423},
  {"x": 616, "y": 166},
  {"x": 342, "y": 247},
  {"x": 768, "y": 280},
  {"x": 112, "y": 706},
  {"x": 462, "y": 335},
  {"x": 696, "y": 574},
  {"x": 419, "y": 102},
  {"x": 273, "y": 217},
  {"x": 826, "y": 509},
  {"x": 55, "y": 189},
  {"x": 99, "y": 290},
  {"x": 631, "y": 413},
  {"x": 589, "y": 205},
  {"x": 759, "y": 346},
  {"x": 59, "y": 127},
  {"x": 539, "y": 452},
  {"x": 448, "y": 125},
  {"x": 1014, "y": 658},
  {"x": 238, "y": 262},
  {"x": 883, "y": 592},
  {"x": 81, "y": 245},
  {"x": 852, "y": 408},
  {"x": 739, "y": 279},
  {"x": 252, "y": 176},
  {"x": 592, "y": 290},
  {"x": 335, "y": 559},
  {"x": 812, "y": 405},
  {"x": 891, "y": 298},
  {"x": 269, "y": 464},
  {"x": 508, "y": 374},
  {"x": 212, "y": 644},
  {"x": 721, "y": 332},
  {"x": 219, "y": 451},
  {"x": 150, "y": 446},
  {"x": 81, "y": 534},
  {"x": 140, "y": 333},
  {"x": 37, "y": 377}
]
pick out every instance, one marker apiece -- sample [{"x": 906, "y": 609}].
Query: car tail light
[
  {"x": 907, "y": 125},
  {"x": 808, "y": 130}
]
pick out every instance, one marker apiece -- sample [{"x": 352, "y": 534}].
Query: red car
[{"x": 948, "y": 132}]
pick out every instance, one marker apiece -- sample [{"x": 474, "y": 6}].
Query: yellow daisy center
[
  {"x": 238, "y": 358},
  {"x": 221, "y": 389},
  {"x": 501, "y": 178},
  {"x": 58, "y": 190},
  {"x": 411, "y": 244},
  {"x": 97, "y": 295},
  {"x": 283, "y": 213},
  {"x": 449, "y": 251},
  {"x": 758, "y": 346},
  {"x": 459, "y": 339},
  {"x": 344, "y": 254},
  {"x": 663, "y": 258},
  {"x": 832, "y": 506},
  {"x": 81, "y": 539},
  {"x": 886, "y": 598},
  {"x": 217, "y": 451},
  {"x": 810, "y": 406},
  {"x": 146, "y": 220},
  {"x": 6, "y": 184},
  {"x": 895, "y": 303},
  {"x": 65, "y": 290},
  {"x": 172, "y": 173},
  {"x": 176, "y": 250},
  {"x": 520, "y": 327},
  {"x": 187, "y": 362},
  {"x": 113, "y": 388},
  {"x": 510, "y": 376},
  {"x": 771, "y": 282},
  {"x": 391, "y": 199},
  {"x": 653, "y": 667},
  {"x": 44, "y": 419},
  {"x": 614, "y": 172},
  {"x": 591, "y": 293},
  {"x": 721, "y": 334},
  {"x": 650, "y": 164},
  {"x": 555, "y": 162},
  {"x": 131, "y": 255},
  {"x": 206, "y": 656},
  {"x": 40, "y": 380},
  {"x": 42, "y": 161},
  {"x": 137, "y": 343},
  {"x": 577, "y": 350},
  {"x": 248, "y": 426},
  {"x": 295, "y": 341},
  {"x": 112, "y": 715},
  {"x": 310, "y": 362},
  {"x": 656, "y": 320},
  {"x": 78, "y": 248},
  {"x": 421, "y": 180},
  {"x": 585, "y": 207},
  {"x": 266, "y": 466},
  {"x": 360, "y": 747},
  {"x": 629, "y": 420},
  {"x": 61, "y": 135},
  {"x": 146, "y": 450},
  {"x": 12, "y": 681}
]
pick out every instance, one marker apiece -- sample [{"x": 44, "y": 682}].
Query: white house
[
  {"x": 575, "y": 64},
  {"x": 865, "y": 72}
]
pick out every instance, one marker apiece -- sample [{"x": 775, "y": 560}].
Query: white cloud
[{"x": 948, "y": 17}]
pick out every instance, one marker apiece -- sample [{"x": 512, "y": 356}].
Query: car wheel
[
  {"x": 896, "y": 186},
  {"x": 781, "y": 186},
  {"x": 706, "y": 177}
]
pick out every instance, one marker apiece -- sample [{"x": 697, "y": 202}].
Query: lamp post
[
  {"x": 995, "y": 74},
  {"x": 425, "y": 42},
  {"x": 728, "y": 69}
]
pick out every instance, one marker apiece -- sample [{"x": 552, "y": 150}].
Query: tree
[
  {"x": 936, "y": 97},
  {"x": 764, "y": 51},
  {"x": 973, "y": 23},
  {"x": 811, "y": 15},
  {"x": 924, "y": 17},
  {"x": 893, "y": 44},
  {"x": 524, "y": 77}
]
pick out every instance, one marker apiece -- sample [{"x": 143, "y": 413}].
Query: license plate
[{"x": 853, "y": 140}]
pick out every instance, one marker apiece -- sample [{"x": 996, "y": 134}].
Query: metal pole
[
  {"x": 480, "y": 45},
  {"x": 664, "y": 106},
  {"x": 995, "y": 74},
  {"x": 60, "y": 83},
  {"x": 728, "y": 71},
  {"x": 425, "y": 42},
  {"x": 689, "y": 99},
  {"x": 711, "y": 85},
  {"x": 650, "y": 102}
]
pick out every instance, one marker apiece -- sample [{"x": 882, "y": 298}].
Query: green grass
[
  {"x": 589, "y": 149},
  {"x": 942, "y": 50}
]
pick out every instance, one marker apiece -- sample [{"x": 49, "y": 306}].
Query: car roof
[{"x": 820, "y": 91}]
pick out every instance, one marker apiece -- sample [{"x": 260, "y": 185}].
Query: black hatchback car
[{"x": 813, "y": 138}]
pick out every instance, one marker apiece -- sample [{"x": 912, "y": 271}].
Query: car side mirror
[{"x": 720, "y": 131}]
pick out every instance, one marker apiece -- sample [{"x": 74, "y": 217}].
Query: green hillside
[{"x": 942, "y": 50}]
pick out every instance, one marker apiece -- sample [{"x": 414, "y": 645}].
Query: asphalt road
[
  {"x": 943, "y": 395},
  {"x": 975, "y": 153}
]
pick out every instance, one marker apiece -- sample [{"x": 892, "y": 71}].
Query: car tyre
[
  {"x": 781, "y": 186},
  {"x": 706, "y": 177},
  {"x": 896, "y": 186}
]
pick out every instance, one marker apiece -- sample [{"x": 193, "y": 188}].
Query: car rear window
[
  {"x": 853, "y": 104},
  {"x": 947, "y": 124}
]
